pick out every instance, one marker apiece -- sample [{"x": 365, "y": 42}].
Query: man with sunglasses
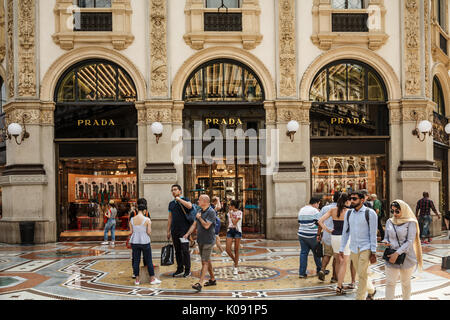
[{"x": 360, "y": 225}]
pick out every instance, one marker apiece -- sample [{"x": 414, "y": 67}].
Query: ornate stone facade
[
  {"x": 27, "y": 65},
  {"x": 2, "y": 32},
  {"x": 287, "y": 45},
  {"x": 158, "y": 48},
  {"x": 10, "y": 51},
  {"x": 412, "y": 48}
]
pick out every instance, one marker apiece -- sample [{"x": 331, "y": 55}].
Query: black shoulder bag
[{"x": 389, "y": 250}]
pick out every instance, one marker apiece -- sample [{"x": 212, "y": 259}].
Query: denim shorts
[{"x": 233, "y": 233}]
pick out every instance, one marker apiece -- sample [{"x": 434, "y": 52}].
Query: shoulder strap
[
  {"x": 348, "y": 220},
  {"x": 367, "y": 217}
]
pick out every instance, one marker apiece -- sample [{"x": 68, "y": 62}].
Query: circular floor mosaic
[{"x": 246, "y": 273}]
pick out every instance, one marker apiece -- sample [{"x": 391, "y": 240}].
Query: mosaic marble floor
[{"x": 268, "y": 270}]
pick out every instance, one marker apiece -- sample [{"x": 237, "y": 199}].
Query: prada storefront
[
  {"x": 96, "y": 145},
  {"x": 349, "y": 131},
  {"x": 222, "y": 119}
]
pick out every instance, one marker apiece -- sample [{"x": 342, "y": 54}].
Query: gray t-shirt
[
  {"x": 113, "y": 213},
  {"x": 207, "y": 236}
]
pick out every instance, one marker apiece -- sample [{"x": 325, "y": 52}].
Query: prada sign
[
  {"x": 225, "y": 121},
  {"x": 96, "y": 123},
  {"x": 348, "y": 120}
]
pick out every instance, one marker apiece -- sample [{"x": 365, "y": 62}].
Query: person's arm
[
  {"x": 205, "y": 223},
  {"x": 417, "y": 208},
  {"x": 169, "y": 224},
  {"x": 235, "y": 221},
  {"x": 191, "y": 229},
  {"x": 131, "y": 227},
  {"x": 322, "y": 220},
  {"x": 434, "y": 209},
  {"x": 386, "y": 234},
  {"x": 345, "y": 234},
  {"x": 373, "y": 224},
  {"x": 410, "y": 237},
  {"x": 149, "y": 227},
  {"x": 185, "y": 203}
]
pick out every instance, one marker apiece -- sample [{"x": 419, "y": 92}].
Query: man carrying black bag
[{"x": 177, "y": 226}]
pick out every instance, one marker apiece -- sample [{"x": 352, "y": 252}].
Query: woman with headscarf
[{"x": 402, "y": 234}]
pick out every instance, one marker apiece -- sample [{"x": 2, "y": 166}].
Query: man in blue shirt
[{"x": 363, "y": 242}]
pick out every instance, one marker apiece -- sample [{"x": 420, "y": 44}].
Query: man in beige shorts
[{"x": 206, "y": 238}]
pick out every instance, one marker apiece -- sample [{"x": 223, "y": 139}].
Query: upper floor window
[
  {"x": 94, "y": 3},
  {"x": 348, "y": 4},
  {"x": 2, "y": 94},
  {"x": 226, "y": 3},
  {"x": 438, "y": 97},
  {"x": 441, "y": 16}
]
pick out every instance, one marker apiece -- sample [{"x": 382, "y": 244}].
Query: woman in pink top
[{"x": 234, "y": 232}]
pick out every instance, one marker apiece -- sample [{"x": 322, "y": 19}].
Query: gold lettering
[
  {"x": 224, "y": 121},
  {"x": 355, "y": 120},
  {"x": 231, "y": 121},
  {"x": 111, "y": 123},
  {"x": 80, "y": 122},
  {"x": 348, "y": 121},
  {"x": 239, "y": 121},
  {"x": 96, "y": 122},
  {"x": 104, "y": 122},
  {"x": 208, "y": 121},
  {"x": 87, "y": 122},
  {"x": 333, "y": 120},
  {"x": 363, "y": 120},
  {"x": 340, "y": 121},
  {"x": 215, "y": 121}
]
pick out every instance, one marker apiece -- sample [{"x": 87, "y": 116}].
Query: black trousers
[
  {"x": 182, "y": 254},
  {"x": 380, "y": 228}
]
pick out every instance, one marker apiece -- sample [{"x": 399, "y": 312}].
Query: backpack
[{"x": 348, "y": 219}]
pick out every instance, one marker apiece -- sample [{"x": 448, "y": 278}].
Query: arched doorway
[
  {"x": 96, "y": 145},
  {"x": 441, "y": 143},
  {"x": 350, "y": 123},
  {"x": 222, "y": 117}
]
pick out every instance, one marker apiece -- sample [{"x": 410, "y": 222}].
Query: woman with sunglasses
[
  {"x": 402, "y": 234},
  {"x": 338, "y": 215}
]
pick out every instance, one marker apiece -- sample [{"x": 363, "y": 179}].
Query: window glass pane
[
  {"x": 347, "y": 4},
  {"x": 103, "y": 3},
  {"x": 339, "y": 4},
  {"x": 194, "y": 89},
  {"x": 319, "y": 88},
  {"x": 67, "y": 88},
  {"x": 438, "y": 97},
  {"x": 127, "y": 92},
  {"x": 252, "y": 89},
  {"x": 355, "y": 4},
  {"x": 337, "y": 82},
  {"x": 3, "y": 95},
  {"x": 441, "y": 13},
  {"x": 87, "y": 83},
  {"x": 214, "y": 82},
  {"x": 218, "y": 3},
  {"x": 86, "y": 3},
  {"x": 233, "y": 82},
  {"x": 355, "y": 82},
  {"x": 376, "y": 92},
  {"x": 106, "y": 82},
  {"x": 94, "y": 3}
]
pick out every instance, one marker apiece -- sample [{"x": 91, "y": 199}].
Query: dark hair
[
  {"x": 234, "y": 203},
  {"x": 341, "y": 203},
  {"x": 314, "y": 200},
  {"x": 395, "y": 204},
  {"x": 336, "y": 196},
  {"x": 142, "y": 204},
  {"x": 426, "y": 194},
  {"x": 360, "y": 194},
  {"x": 364, "y": 192},
  {"x": 177, "y": 186}
]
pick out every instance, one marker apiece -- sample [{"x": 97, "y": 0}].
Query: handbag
[
  {"x": 191, "y": 215},
  {"x": 128, "y": 244},
  {"x": 318, "y": 250},
  {"x": 167, "y": 255},
  {"x": 389, "y": 251}
]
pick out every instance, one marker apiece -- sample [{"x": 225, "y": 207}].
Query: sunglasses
[
  {"x": 354, "y": 198},
  {"x": 395, "y": 211}
]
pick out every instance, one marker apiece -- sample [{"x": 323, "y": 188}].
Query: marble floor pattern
[{"x": 268, "y": 270}]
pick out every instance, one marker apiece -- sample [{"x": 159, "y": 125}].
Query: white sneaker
[
  {"x": 224, "y": 254},
  {"x": 156, "y": 281},
  {"x": 105, "y": 242},
  {"x": 136, "y": 283},
  {"x": 235, "y": 271},
  {"x": 111, "y": 243}
]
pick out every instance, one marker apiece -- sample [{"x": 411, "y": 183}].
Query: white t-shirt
[{"x": 235, "y": 215}]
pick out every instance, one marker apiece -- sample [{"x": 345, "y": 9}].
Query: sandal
[
  {"x": 351, "y": 286},
  {"x": 340, "y": 291},
  {"x": 210, "y": 283},
  {"x": 197, "y": 287}
]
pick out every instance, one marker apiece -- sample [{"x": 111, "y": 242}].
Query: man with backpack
[
  {"x": 360, "y": 225},
  {"x": 177, "y": 226}
]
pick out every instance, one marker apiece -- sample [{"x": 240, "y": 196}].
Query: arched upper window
[
  {"x": 95, "y": 81},
  {"x": 438, "y": 97},
  {"x": 227, "y": 3},
  {"x": 94, "y": 3},
  {"x": 223, "y": 81},
  {"x": 348, "y": 4}
]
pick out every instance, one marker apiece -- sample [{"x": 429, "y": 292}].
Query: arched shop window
[
  {"x": 348, "y": 99},
  {"x": 95, "y": 80},
  {"x": 223, "y": 81}
]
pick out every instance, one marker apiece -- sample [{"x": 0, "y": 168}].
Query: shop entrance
[
  {"x": 96, "y": 148},
  {"x": 223, "y": 141}
]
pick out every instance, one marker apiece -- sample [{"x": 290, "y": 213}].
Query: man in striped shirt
[
  {"x": 423, "y": 214},
  {"x": 307, "y": 234}
]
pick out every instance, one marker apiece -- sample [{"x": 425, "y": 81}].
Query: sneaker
[
  {"x": 425, "y": 242},
  {"x": 136, "y": 283},
  {"x": 327, "y": 272},
  {"x": 177, "y": 273},
  {"x": 224, "y": 254},
  {"x": 333, "y": 280},
  {"x": 133, "y": 276},
  {"x": 156, "y": 281},
  {"x": 235, "y": 271},
  {"x": 187, "y": 274},
  {"x": 321, "y": 275},
  {"x": 112, "y": 243},
  {"x": 105, "y": 242},
  {"x": 302, "y": 276}
]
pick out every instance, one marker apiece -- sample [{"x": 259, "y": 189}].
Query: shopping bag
[
  {"x": 128, "y": 244},
  {"x": 167, "y": 255},
  {"x": 318, "y": 250}
]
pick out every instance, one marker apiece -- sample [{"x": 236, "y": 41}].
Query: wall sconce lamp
[
  {"x": 157, "y": 129},
  {"x": 292, "y": 128},
  {"x": 15, "y": 130},
  {"x": 423, "y": 128}
]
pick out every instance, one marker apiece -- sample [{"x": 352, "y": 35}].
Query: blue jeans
[
  {"x": 307, "y": 244},
  {"x": 110, "y": 224},
  {"x": 424, "y": 223},
  {"x": 136, "y": 258}
]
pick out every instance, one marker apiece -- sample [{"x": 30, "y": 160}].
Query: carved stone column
[
  {"x": 159, "y": 86},
  {"x": 287, "y": 49}
]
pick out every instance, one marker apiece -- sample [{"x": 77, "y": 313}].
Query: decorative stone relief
[
  {"x": 27, "y": 66},
  {"x": 158, "y": 48},
  {"x": 10, "y": 61},
  {"x": 271, "y": 115},
  {"x": 427, "y": 49},
  {"x": 2, "y": 32},
  {"x": 160, "y": 115},
  {"x": 288, "y": 114},
  {"x": 47, "y": 117},
  {"x": 288, "y": 62},
  {"x": 142, "y": 116},
  {"x": 32, "y": 116},
  {"x": 412, "y": 47}
]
